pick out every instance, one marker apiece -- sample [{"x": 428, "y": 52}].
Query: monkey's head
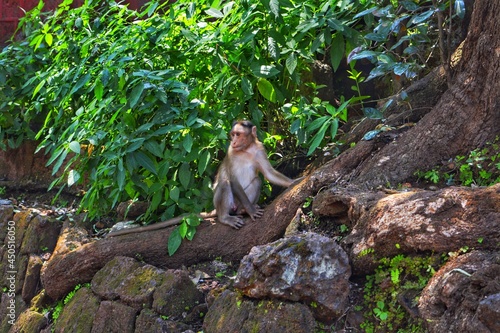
[{"x": 242, "y": 135}]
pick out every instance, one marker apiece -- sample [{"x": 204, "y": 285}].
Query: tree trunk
[{"x": 466, "y": 117}]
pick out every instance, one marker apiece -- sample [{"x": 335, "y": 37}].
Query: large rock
[
  {"x": 306, "y": 268},
  {"x": 413, "y": 222},
  {"x": 79, "y": 314},
  {"x": 464, "y": 295},
  {"x": 106, "y": 282},
  {"x": 233, "y": 313},
  {"x": 177, "y": 295},
  {"x": 31, "y": 284},
  {"x": 148, "y": 321},
  {"x": 29, "y": 321},
  {"x": 114, "y": 317},
  {"x": 170, "y": 293}
]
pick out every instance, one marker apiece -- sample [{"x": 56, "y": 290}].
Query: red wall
[{"x": 10, "y": 12}]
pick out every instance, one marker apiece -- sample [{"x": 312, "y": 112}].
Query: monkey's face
[{"x": 241, "y": 137}]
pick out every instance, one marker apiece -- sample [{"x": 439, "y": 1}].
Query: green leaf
[
  {"x": 366, "y": 12},
  {"x": 135, "y": 144},
  {"x": 334, "y": 128},
  {"x": 156, "y": 200},
  {"x": 73, "y": 177},
  {"x": 174, "y": 241},
  {"x": 135, "y": 94},
  {"x": 264, "y": 71},
  {"x": 187, "y": 143},
  {"x": 98, "y": 90},
  {"x": 48, "y": 39},
  {"x": 203, "y": 161},
  {"x": 376, "y": 37},
  {"x": 291, "y": 63},
  {"x": 337, "y": 51},
  {"x": 193, "y": 220},
  {"x": 317, "y": 123},
  {"x": 120, "y": 176},
  {"x": 409, "y": 5},
  {"x": 318, "y": 137},
  {"x": 266, "y": 89},
  {"x": 273, "y": 49},
  {"x": 362, "y": 55},
  {"x": 395, "y": 275},
  {"x": 163, "y": 169},
  {"x": 154, "y": 148},
  {"x": 214, "y": 13},
  {"x": 460, "y": 8},
  {"x": 37, "y": 41},
  {"x": 75, "y": 147},
  {"x": 145, "y": 161},
  {"x": 335, "y": 24},
  {"x": 185, "y": 175},
  {"x": 80, "y": 83},
  {"x": 183, "y": 227},
  {"x": 274, "y": 5},
  {"x": 59, "y": 162},
  {"x": 38, "y": 87},
  {"x": 174, "y": 193},
  {"x": 246, "y": 86},
  {"x": 417, "y": 19},
  {"x": 190, "y": 233}
]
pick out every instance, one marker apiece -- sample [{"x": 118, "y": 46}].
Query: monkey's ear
[{"x": 254, "y": 131}]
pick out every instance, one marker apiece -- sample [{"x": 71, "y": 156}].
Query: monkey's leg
[
  {"x": 248, "y": 198},
  {"x": 224, "y": 203}
]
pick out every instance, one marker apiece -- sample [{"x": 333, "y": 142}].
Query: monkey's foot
[{"x": 232, "y": 221}]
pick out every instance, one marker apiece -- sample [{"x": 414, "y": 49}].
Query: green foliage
[
  {"x": 401, "y": 35},
  {"x": 137, "y": 105},
  {"x": 186, "y": 230},
  {"x": 481, "y": 168},
  {"x": 393, "y": 278}
]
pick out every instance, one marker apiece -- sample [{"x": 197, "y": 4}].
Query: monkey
[{"x": 237, "y": 183}]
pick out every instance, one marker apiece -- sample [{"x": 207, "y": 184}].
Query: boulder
[
  {"x": 29, "y": 321},
  {"x": 114, "y": 317},
  {"x": 413, "y": 222},
  {"x": 233, "y": 313},
  {"x": 32, "y": 278},
  {"x": 177, "y": 295},
  {"x": 79, "y": 314},
  {"x": 307, "y": 268},
  {"x": 148, "y": 321},
  {"x": 463, "y": 296}
]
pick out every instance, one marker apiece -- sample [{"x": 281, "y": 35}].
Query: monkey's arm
[{"x": 270, "y": 173}]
